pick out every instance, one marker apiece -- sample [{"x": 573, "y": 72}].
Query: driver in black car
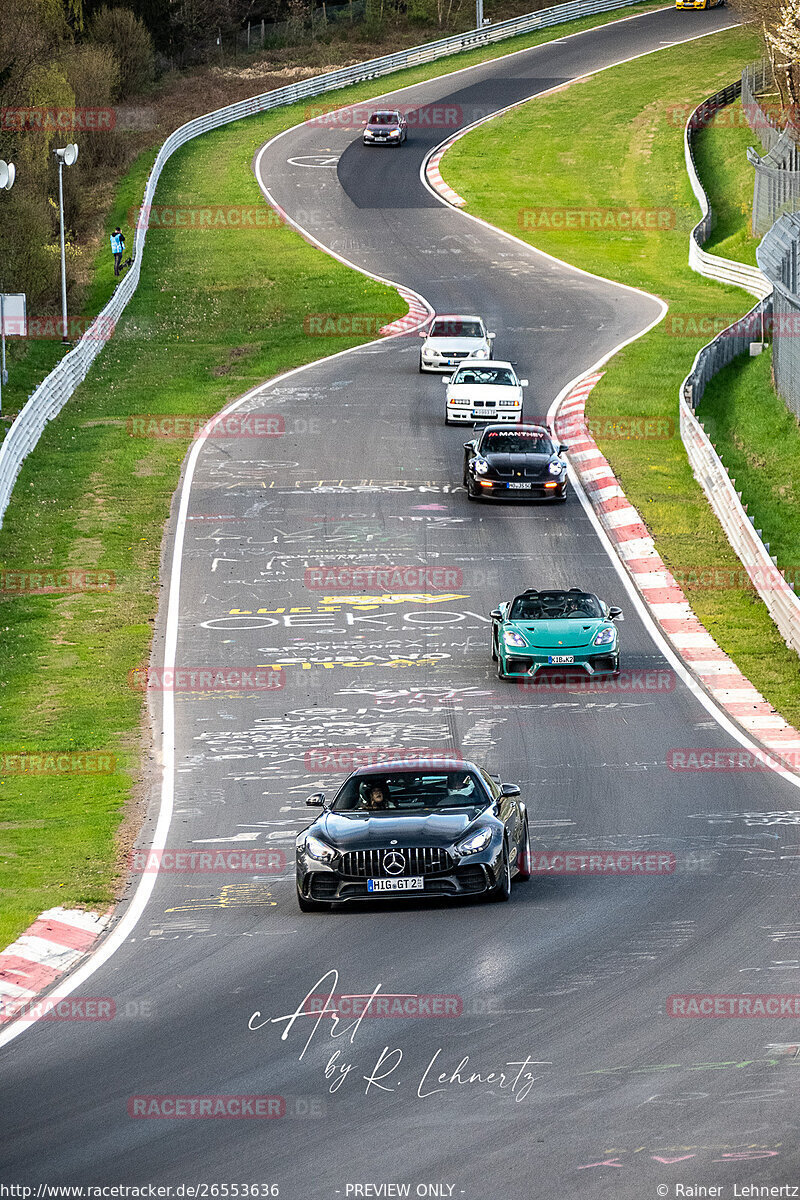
[
  {"x": 460, "y": 785},
  {"x": 377, "y": 797}
]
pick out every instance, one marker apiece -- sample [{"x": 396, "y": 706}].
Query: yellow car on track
[{"x": 699, "y": 3}]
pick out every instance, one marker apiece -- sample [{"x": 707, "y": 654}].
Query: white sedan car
[
  {"x": 484, "y": 391},
  {"x": 451, "y": 339}
]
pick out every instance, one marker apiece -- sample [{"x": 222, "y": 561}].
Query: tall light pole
[
  {"x": 8, "y": 173},
  {"x": 66, "y": 157}
]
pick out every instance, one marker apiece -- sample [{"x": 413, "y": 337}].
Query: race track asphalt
[{"x": 570, "y": 980}]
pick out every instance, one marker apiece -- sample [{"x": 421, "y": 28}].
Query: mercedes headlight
[
  {"x": 555, "y": 468},
  {"x": 512, "y": 638},
  {"x": 605, "y": 637},
  {"x": 475, "y": 842},
  {"x": 316, "y": 848}
]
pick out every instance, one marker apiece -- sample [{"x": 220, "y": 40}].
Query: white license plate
[
  {"x": 521, "y": 486},
  {"x": 411, "y": 883},
  {"x": 483, "y": 413},
  {"x": 561, "y": 658}
]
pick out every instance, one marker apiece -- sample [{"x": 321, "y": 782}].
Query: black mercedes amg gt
[
  {"x": 522, "y": 461},
  {"x": 399, "y": 831}
]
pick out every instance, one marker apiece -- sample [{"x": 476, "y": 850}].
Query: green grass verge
[
  {"x": 556, "y": 152},
  {"x": 755, "y": 434},
  {"x": 214, "y": 314},
  {"x": 720, "y": 153},
  {"x": 758, "y": 439}
]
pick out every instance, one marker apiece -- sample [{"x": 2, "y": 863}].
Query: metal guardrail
[
  {"x": 712, "y": 266},
  {"x": 709, "y": 470},
  {"x": 54, "y": 391}
]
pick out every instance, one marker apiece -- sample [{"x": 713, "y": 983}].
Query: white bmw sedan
[
  {"x": 483, "y": 391},
  {"x": 451, "y": 339}
]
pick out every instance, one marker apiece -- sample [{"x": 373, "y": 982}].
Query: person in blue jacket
[{"x": 117, "y": 248}]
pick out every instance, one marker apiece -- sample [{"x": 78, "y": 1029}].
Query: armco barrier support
[
  {"x": 776, "y": 182},
  {"x": 54, "y": 391},
  {"x": 781, "y": 602},
  {"x": 779, "y": 257}
]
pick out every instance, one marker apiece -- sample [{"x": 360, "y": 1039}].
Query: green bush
[{"x": 132, "y": 45}]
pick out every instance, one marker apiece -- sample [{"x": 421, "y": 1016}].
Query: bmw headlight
[
  {"x": 512, "y": 638},
  {"x": 394, "y": 133},
  {"x": 459, "y": 402},
  {"x": 316, "y": 848},
  {"x": 475, "y": 842},
  {"x": 605, "y": 637},
  {"x": 555, "y": 467},
  {"x": 480, "y": 465}
]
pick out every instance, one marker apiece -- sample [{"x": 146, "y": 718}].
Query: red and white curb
[
  {"x": 718, "y": 674},
  {"x": 51, "y": 946},
  {"x": 418, "y": 313},
  {"x": 434, "y": 177}
]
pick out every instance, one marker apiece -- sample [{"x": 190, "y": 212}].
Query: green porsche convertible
[{"x": 570, "y": 630}]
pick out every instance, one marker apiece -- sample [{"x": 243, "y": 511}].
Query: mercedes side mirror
[
  {"x": 510, "y": 789},
  {"x": 615, "y": 614},
  {"x": 317, "y": 800}
]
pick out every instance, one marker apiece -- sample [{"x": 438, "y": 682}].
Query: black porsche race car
[
  {"x": 523, "y": 461},
  {"x": 400, "y": 831}
]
